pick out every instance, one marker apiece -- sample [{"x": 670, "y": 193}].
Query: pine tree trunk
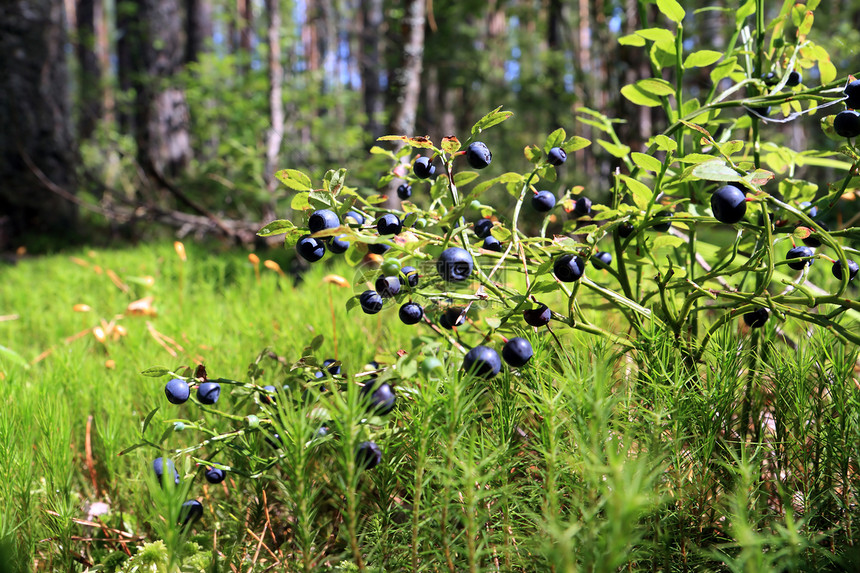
[
  {"x": 90, "y": 110},
  {"x": 276, "y": 100},
  {"x": 407, "y": 80},
  {"x": 155, "y": 53},
  {"x": 35, "y": 138},
  {"x": 371, "y": 65},
  {"x": 198, "y": 28}
]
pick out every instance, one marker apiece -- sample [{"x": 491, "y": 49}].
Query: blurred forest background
[{"x": 118, "y": 114}]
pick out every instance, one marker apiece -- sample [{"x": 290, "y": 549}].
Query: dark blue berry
[
  {"x": 404, "y": 191},
  {"x": 454, "y": 264},
  {"x": 556, "y": 156},
  {"x": 853, "y": 267},
  {"x": 338, "y": 244},
  {"x": 159, "y": 465},
  {"x": 582, "y": 207},
  {"x": 310, "y": 248},
  {"x": 424, "y": 168},
  {"x": 482, "y": 361},
  {"x": 601, "y": 259},
  {"x": 847, "y": 123},
  {"x": 411, "y": 313},
  {"x": 215, "y": 475},
  {"x": 208, "y": 392},
  {"x": 543, "y": 201},
  {"x": 409, "y": 276},
  {"x": 852, "y": 90},
  {"x": 478, "y": 155},
  {"x": 800, "y": 253},
  {"x": 177, "y": 391},
  {"x": 388, "y": 287},
  {"x": 323, "y": 219},
  {"x": 756, "y": 318},
  {"x": 517, "y": 351},
  {"x": 492, "y": 244},
  {"x": 539, "y": 316},
  {"x": 483, "y": 228},
  {"x": 380, "y": 397},
  {"x": 370, "y": 301},
  {"x": 368, "y": 456},
  {"x": 568, "y": 268},
  {"x": 729, "y": 204}
]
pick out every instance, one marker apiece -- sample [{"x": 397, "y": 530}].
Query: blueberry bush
[{"x": 711, "y": 421}]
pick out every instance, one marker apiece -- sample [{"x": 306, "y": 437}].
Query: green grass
[{"x": 589, "y": 459}]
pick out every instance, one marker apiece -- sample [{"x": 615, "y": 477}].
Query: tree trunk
[
  {"x": 90, "y": 108},
  {"x": 198, "y": 28},
  {"x": 371, "y": 65},
  {"x": 407, "y": 79},
  {"x": 155, "y": 53},
  {"x": 35, "y": 138},
  {"x": 276, "y": 100}
]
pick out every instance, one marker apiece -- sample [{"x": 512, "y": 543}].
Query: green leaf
[
  {"x": 300, "y": 202},
  {"x": 745, "y": 11},
  {"x": 827, "y": 71},
  {"x": 724, "y": 69},
  {"x": 156, "y": 371},
  {"x": 575, "y": 143},
  {"x": 665, "y": 143},
  {"x": 702, "y": 58},
  {"x": 646, "y": 162},
  {"x": 294, "y": 179},
  {"x": 533, "y": 153},
  {"x": 647, "y": 92},
  {"x": 450, "y": 145},
  {"x": 672, "y": 10},
  {"x": 493, "y": 322},
  {"x": 555, "y": 139},
  {"x": 464, "y": 178},
  {"x": 659, "y": 35},
  {"x": 335, "y": 181},
  {"x": 504, "y": 178},
  {"x": 13, "y": 356},
  {"x": 619, "y": 151},
  {"x": 147, "y": 420},
  {"x": 641, "y": 193},
  {"x": 132, "y": 448},
  {"x": 632, "y": 40},
  {"x": 716, "y": 170},
  {"x": 352, "y": 302},
  {"x": 495, "y": 117},
  {"x": 276, "y": 228},
  {"x": 667, "y": 241}
]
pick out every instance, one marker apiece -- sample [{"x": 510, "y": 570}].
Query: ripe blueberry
[
  {"x": 177, "y": 391},
  {"x": 539, "y": 316},
  {"x": 409, "y": 276},
  {"x": 411, "y": 313},
  {"x": 378, "y": 248},
  {"x": 556, "y": 156},
  {"x": 453, "y": 316},
  {"x": 794, "y": 79},
  {"x": 338, "y": 244},
  {"x": 601, "y": 259},
  {"x": 423, "y": 168},
  {"x": 482, "y": 361},
  {"x": 543, "y": 201},
  {"x": 809, "y": 208},
  {"x": 852, "y": 90},
  {"x": 323, "y": 219},
  {"x": 847, "y": 123},
  {"x": 380, "y": 398},
  {"x": 191, "y": 511},
  {"x": 208, "y": 392},
  {"x": 159, "y": 465},
  {"x": 770, "y": 79},
  {"x": 478, "y": 155},
  {"x": 388, "y": 287},
  {"x": 265, "y": 397},
  {"x": 215, "y": 475},
  {"x": 663, "y": 226},
  {"x": 517, "y": 351},
  {"x": 568, "y": 268},
  {"x": 310, "y": 248},
  {"x": 370, "y": 301},
  {"x": 756, "y": 318},
  {"x": 404, "y": 191},
  {"x": 812, "y": 240},
  {"x": 800, "y": 253},
  {"x": 582, "y": 207},
  {"x": 483, "y": 228},
  {"x": 368, "y": 456},
  {"x": 330, "y": 365},
  {"x": 357, "y": 218},
  {"x": 625, "y": 229},
  {"x": 454, "y": 264},
  {"x": 729, "y": 204},
  {"x": 836, "y": 269},
  {"x": 389, "y": 224},
  {"x": 492, "y": 244}
]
